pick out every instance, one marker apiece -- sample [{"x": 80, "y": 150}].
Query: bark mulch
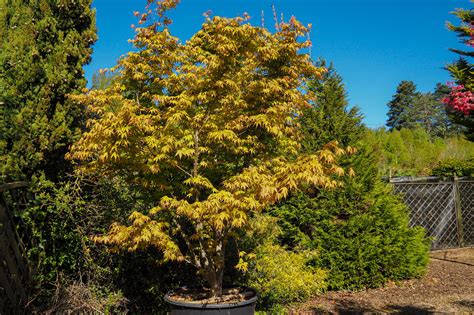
[{"x": 447, "y": 288}]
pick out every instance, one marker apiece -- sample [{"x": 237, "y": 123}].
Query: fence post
[{"x": 457, "y": 207}]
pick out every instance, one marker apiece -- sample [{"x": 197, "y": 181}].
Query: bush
[
  {"x": 58, "y": 221},
  {"x": 86, "y": 299},
  {"x": 360, "y": 231},
  {"x": 71, "y": 269},
  {"x": 281, "y": 277},
  {"x": 454, "y": 167}
]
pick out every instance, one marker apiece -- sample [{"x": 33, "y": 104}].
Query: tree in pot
[{"x": 210, "y": 126}]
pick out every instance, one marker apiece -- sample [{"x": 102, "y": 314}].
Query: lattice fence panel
[
  {"x": 466, "y": 192},
  {"x": 14, "y": 267},
  {"x": 432, "y": 206}
]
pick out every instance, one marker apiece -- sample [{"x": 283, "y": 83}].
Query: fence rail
[
  {"x": 14, "y": 268},
  {"x": 445, "y": 208}
]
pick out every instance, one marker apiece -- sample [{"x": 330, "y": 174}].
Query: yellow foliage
[{"x": 211, "y": 125}]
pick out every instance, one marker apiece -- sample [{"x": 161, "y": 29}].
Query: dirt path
[{"x": 448, "y": 287}]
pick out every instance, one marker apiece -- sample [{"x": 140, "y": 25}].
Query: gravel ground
[{"x": 447, "y": 288}]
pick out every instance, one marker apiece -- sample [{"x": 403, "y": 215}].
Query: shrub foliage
[
  {"x": 360, "y": 230},
  {"x": 43, "y": 47},
  {"x": 455, "y": 167},
  {"x": 282, "y": 277}
]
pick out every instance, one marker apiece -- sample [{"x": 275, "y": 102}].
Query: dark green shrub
[
  {"x": 360, "y": 231},
  {"x": 454, "y": 167},
  {"x": 62, "y": 218},
  {"x": 56, "y": 218}
]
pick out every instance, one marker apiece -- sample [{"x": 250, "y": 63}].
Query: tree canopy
[
  {"x": 412, "y": 109},
  {"x": 399, "y": 106},
  {"x": 43, "y": 47},
  {"x": 211, "y": 126},
  {"x": 329, "y": 118},
  {"x": 460, "y": 101}
]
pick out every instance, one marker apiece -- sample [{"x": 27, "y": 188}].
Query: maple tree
[{"x": 211, "y": 126}]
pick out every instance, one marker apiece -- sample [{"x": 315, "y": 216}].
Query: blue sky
[{"x": 374, "y": 44}]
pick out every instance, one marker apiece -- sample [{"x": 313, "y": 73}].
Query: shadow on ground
[
  {"x": 345, "y": 308},
  {"x": 356, "y": 308},
  {"x": 466, "y": 303},
  {"x": 410, "y": 310}
]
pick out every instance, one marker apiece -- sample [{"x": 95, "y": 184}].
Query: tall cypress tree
[
  {"x": 43, "y": 48},
  {"x": 399, "y": 106},
  {"x": 330, "y": 115},
  {"x": 360, "y": 230}
]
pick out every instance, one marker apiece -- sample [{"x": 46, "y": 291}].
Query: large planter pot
[{"x": 179, "y": 307}]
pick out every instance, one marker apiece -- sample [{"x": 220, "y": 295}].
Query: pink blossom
[{"x": 460, "y": 100}]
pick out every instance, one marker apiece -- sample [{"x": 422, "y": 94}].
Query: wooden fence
[
  {"x": 445, "y": 208},
  {"x": 15, "y": 272}
]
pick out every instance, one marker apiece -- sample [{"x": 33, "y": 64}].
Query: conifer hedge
[{"x": 361, "y": 229}]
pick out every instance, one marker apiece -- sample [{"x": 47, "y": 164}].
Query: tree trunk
[
  {"x": 214, "y": 278},
  {"x": 216, "y": 287},
  {"x": 215, "y": 273}
]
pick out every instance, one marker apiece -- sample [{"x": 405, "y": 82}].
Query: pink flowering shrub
[{"x": 460, "y": 100}]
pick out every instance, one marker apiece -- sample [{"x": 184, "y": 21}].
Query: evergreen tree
[
  {"x": 441, "y": 91},
  {"x": 460, "y": 101},
  {"x": 361, "y": 229},
  {"x": 400, "y": 105},
  {"x": 411, "y": 109},
  {"x": 420, "y": 113},
  {"x": 330, "y": 114},
  {"x": 464, "y": 31},
  {"x": 428, "y": 113},
  {"x": 43, "y": 47}
]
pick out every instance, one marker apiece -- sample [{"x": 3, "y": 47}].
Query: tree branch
[{"x": 183, "y": 170}]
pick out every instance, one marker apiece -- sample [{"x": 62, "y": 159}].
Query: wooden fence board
[
  {"x": 14, "y": 269},
  {"x": 5, "y": 282},
  {"x": 14, "y": 245}
]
